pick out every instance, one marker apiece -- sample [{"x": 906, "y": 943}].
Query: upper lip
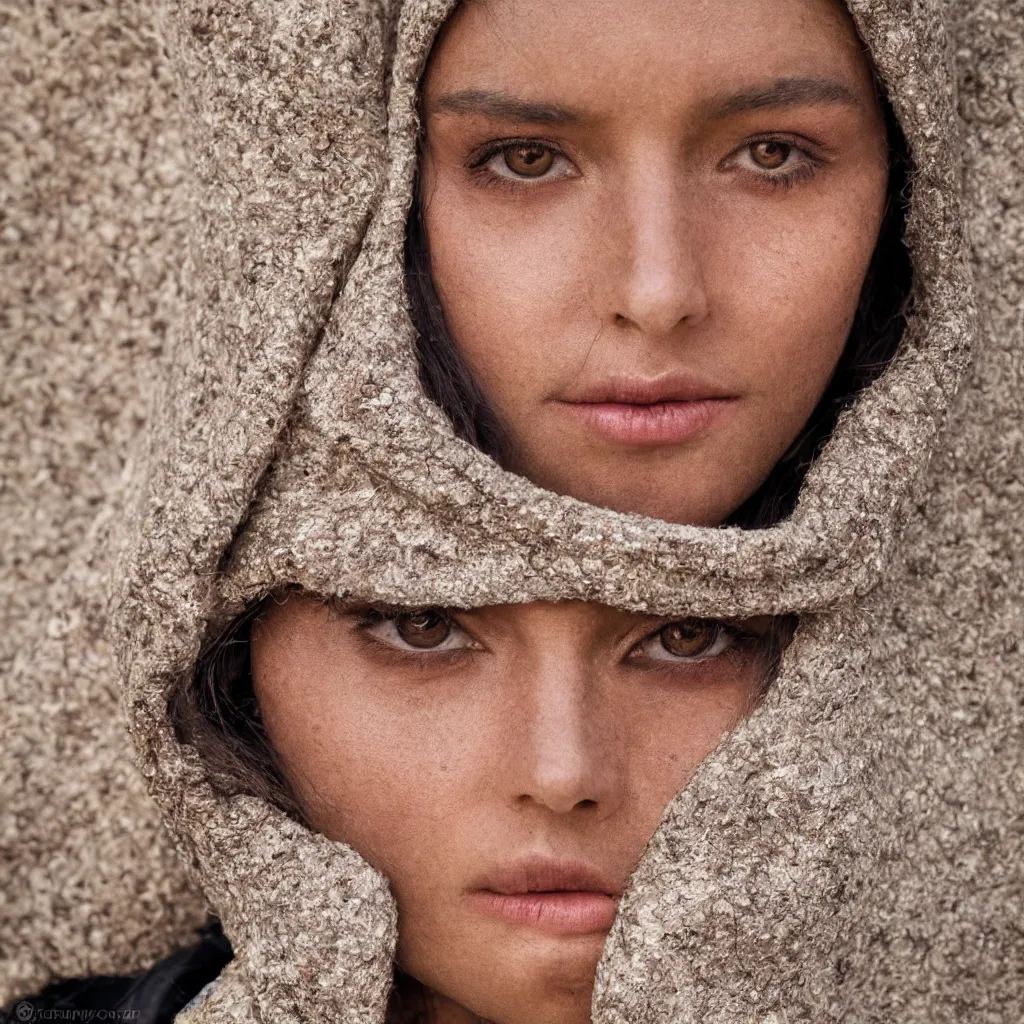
[
  {"x": 546, "y": 874},
  {"x": 638, "y": 390}
]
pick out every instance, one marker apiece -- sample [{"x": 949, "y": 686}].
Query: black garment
[{"x": 154, "y": 997}]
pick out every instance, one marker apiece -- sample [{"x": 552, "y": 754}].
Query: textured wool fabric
[
  {"x": 92, "y": 175},
  {"x": 853, "y": 851}
]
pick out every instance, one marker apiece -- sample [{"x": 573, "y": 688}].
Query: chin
[
  {"x": 648, "y": 482},
  {"x": 530, "y": 1007},
  {"x": 552, "y": 983},
  {"x": 568, "y": 1010},
  {"x": 538, "y": 983},
  {"x": 661, "y": 500}
]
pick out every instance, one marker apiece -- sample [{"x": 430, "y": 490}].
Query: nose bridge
[
  {"x": 567, "y": 744},
  {"x": 655, "y": 277}
]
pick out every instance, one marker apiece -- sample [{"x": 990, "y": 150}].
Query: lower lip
[
  {"x": 655, "y": 424},
  {"x": 560, "y": 913}
]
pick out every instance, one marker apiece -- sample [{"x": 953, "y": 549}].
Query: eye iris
[
  {"x": 529, "y": 161},
  {"x": 770, "y": 155},
  {"x": 423, "y": 629},
  {"x": 688, "y": 639}
]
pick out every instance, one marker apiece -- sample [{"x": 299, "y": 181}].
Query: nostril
[{"x": 526, "y": 798}]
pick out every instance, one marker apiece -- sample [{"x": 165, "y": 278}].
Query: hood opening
[
  {"x": 215, "y": 711},
  {"x": 873, "y": 341}
]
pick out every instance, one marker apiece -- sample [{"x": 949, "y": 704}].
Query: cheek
[
  {"x": 513, "y": 282},
  {"x": 678, "y": 730},
  {"x": 785, "y": 284},
  {"x": 371, "y": 770}
]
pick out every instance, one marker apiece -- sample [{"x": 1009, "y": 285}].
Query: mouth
[
  {"x": 663, "y": 410},
  {"x": 556, "y": 897}
]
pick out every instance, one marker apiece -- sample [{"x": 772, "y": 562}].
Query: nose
[
  {"x": 654, "y": 280},
  {"x": 567, "y": 750}
]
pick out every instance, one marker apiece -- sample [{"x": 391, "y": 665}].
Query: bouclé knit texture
[{"x": 852, "y": 853}]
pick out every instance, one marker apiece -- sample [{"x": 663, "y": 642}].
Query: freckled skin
[
  {"x": 547, "y": 738},
  {"x": 660, "y": 246},
  {"x": 657, "y": 254}
]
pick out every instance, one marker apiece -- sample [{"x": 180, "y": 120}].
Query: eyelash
[
  {"x": 807, "y": 169},
  {"x": 804, "y": 172},
  {"x": 739, "y": 641},
  {"x": 482, "y": 157},
  {"x": 423, "y": 658}
]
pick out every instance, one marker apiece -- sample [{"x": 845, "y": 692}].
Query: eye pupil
[
  {"x": 770, "y": 155},
  {"x": 689, "y": 638},
  {"x": 423, "y": 629},
  {"x": 529, "y": 161}
]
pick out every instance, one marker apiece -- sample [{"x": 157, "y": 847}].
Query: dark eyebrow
[
  {"x": 785, "y": 92},
  {"x": 509, "y": 108}
]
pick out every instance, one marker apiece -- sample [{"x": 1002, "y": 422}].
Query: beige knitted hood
[{"x": 853, "y": 851}]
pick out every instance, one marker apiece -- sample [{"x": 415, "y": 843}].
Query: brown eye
[
  {"x": 529, "y": 161},
  {"x": 770, "y": 155},
  {"x": 423, "y": 629},
  {"x": 690, "y": 638}
]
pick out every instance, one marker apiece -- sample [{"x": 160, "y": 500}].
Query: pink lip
[
  {"x": 560, "y": 913},
  {"x": 558, "y": 897},
  {"x": 649, "y": 411}
]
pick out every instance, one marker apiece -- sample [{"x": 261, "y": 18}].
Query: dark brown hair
[{"x": 216, "y": 711}]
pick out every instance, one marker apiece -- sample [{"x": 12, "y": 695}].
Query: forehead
[{"x": 590, "y": 51}]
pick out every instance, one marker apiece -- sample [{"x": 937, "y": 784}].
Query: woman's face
[
  {"x": 504, "y": 769},
  {"x": 648, "y": 227}
]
